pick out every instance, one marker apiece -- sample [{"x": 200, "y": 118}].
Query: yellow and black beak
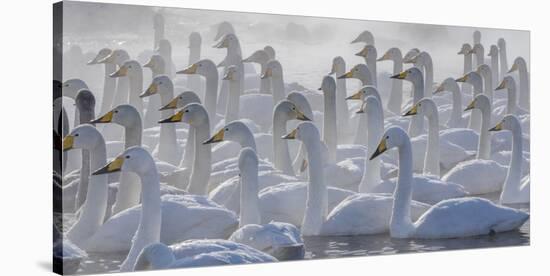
[
  {"x": 502, "y": 85},
  {"x": 218, "y": 137},
  {"x": 151, "y": 90},
  {"x": 113, "y": 166},
  {"x": 173, "y": 104},
  {"x": 347, "y": 75},
  {"x": 471, "y": 105},
  {"x": 191, "y": 69},
  {"x": 107, "y": 118},
  {"x": 380, "y": 149},
  {"x": 68, "y": 142},
  {"x": 301, "y": 116},
  {"x": 176, "y": 118},
  {"x": 462, "y": 79},
  {"x": 291, "y": 135},
  {"x": 400, "y": 76},
  {"x": 121, "y": 72},
  {"x": 357, "y": 96},
  {"x": 412, "y": 111},
  {"x": 268, "y": 73},
  {"x": 514, "y": 68},
  {"x": 498, "y": 127},
  {"x": 439, "y": 89},
  {"x": 149, "y": 64}
]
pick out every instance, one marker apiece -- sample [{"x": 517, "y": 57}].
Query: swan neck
[
  {"x": 317, "y": 196},
  {"x": 512, "y": 184},
  {"x": 456, "y": 113},
  {"x": 281, "y": 153},
  {"x": 431, "y": 158},
  {"x": 232, "y": 109},
  {"x": 211, "y": 93},
  {"x": 400, "y": 222},
  {"x": 200, "y": 172},
  {"x": 330, "y": 136},
  {"x": 249, "y": 211},
  {"x": 396, "y": 95},
  {"x": 278, "y": 85},
  {"x": 484, "y": 143}
]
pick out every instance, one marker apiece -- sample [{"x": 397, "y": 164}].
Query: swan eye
[
  {"x": 187, "y": 111},
  {"x": 116, "y": 111},
  {"x": 127, "y": 156},
  {"x": 226, "y": 129},
  {"x": 387, "y": 137},
  {"x": 160, "y": 82},
  {"x": 181, "y": 98},
  {"x": 76, "y": 135},
  {"x": 200, "y": 64}
]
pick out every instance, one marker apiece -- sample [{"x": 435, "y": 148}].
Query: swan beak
[
  {"x": 502, "y": 85},
  {"x": 247, "y": 59},
  {"x": 412, "y": 111},
  {"x": 439, "y": 89},
  {"x": 178, "y": 117},
  {"x": 68, "y": 142},
  {"x": 113, "y": 166},
  {"x": 360, "y": 111},
  {"x": 400, "y": 76},
  {"x": 303, "y": 166},
  {"x": 386, "y": 56},
  {"x": 514, "y": 68},
  {"x": 192, "y": 69},
  {"x": 363, "y": 53},
  {"x": 149, "y": 64},
  {"x": 107, "y": 118},
  {"x": 218, "y": 137},
  {"x": 221, "y": 64},
  {"x": 173, "y": 104},
  {"x": 356, "y": 96},
  {"x": 462, "y": 79},
  {"x": 108, "y": 59},
  {"x": 347, "y": 75},
  {"x": 301, "y": 116},
  {"x": 357, "y": 39},
  {"x": 380, "y": 149},
  {"x": 471, "y": 106},
  {"x": 268, "y": 73},
  {"x": 151, "y": 90},
  {"x": 228, "y": 76},
  {"x": 121, "y": 72},
  {"x": 498, "y": 127},
  {"x": 221, "y": 44},
  {"x": 291, "y": 135}
]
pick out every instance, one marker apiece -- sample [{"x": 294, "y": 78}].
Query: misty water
[{"x": 305, "y": 46}]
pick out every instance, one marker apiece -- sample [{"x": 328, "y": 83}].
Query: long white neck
[
  {"x": 121, "y": 95},
  {"x": 211, "y": 94},
  {"x": 480, "y": 56},
  {"x": 524, "y": 90},
  {"x": 484, "y": 142},
  {"x": 136, "y": 87},
  {"x": 93, "y": 210},
  {"x": 475, "y": 117},
  {"x": 512, "y": 104},
  {"x": 375, "y": 121},
  {"x": 468, "y": 60},
  {"x": 109, "y": 85},
  {"x": 488, "y": 84},
  {"x": 202, "y": 163},
  {"x": 455, "y": 120},
  {"x": 193, "y": 81},
  {"x": 396, "y": 95},
  {"x": 148, "y": 231},
  {"x": 360, "y": 138},
  {"x": 429, "y": 76},
  {"x": 189, "y": 154},
  {"x": 512, "y": 184},
  {"x": 265, "y": 84},
  {"x": 250, "y": 207},
  {"x": 132, "y": 134},
  {"x": 416, "y": 123},
  {"x": 84, "y": 117},
  {"x": 342, "y": 111},
  {"x": 400, "y": 223},
  {"x": 503, "y": 60},
  {"x": 330, "y": 136},
  {"x": 281, "y": 153},
  {"x": 151, "y": 115},
  {"x": 278, "y": 86},
  {"x": 168, "y": 144},
  {"x": 495, "y": 69},
  {"x": 317, "y": 196},
  {"x": 233, "y": 99},
  {"x": 431, "y": 158},
  {"x": 370, "y": 60}
]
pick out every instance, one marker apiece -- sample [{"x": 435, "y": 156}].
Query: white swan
[
  {"x": 493, "y": 56},
  {"x": 133, "y": 71},
  {"x": 261, "y": 57},
  {"x": 486, "y": 74},
  {"x": 452, "y": 218},
  {"x": 415, "y": 76},
  {"x": 342, "y": 110},
  {"x": 164, "y": 49},
  {"x": 424, "y": 60},
  {"x": 466, "y": 50},
  {"x": 355, "y": 215},
  {"x": 365, "y": 37},
  {"x": 118, "y": 57},
  {"x": 150, "y": 118},
  {"x": 274, "y": 238},
  {"x": 109, "y": 83},
  {"x": 233, "y": 58},
  {"x": 475, "y": 80},
  {"x": 456, "y": 120},
  {"x": 512, "y": 107},
  {"x": 513, "y": 190},
  {"x": 396, "y": 95},
  {"x": 524, "y": 92},
  {"x": 370, "y": 55},
  {"x": 503, "y": 58},
  {"x": 479, "y": 51},
  {"x": 193, "y": 82},
  {"x": 330, "y": 134},
  {"x": 233, "y": 76}
]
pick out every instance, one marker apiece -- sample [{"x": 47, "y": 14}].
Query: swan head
[
  {"x": 390, "y": 54},
  {"x": 84, "y": 136},
  {"x": 259, "y": 56},
  {"x": 155, "y": 63},
  {"x": 201, "y": 67},
  {"x": 117, "y": 56},
  {"x": 181, "y": 100},
  {"x": 393, "y": 137},
  {"x": 273, "y": 69},
  {"x": 506, "y": 83},
  {"x": 223, "y": 29},
  {"x": 289, "y": 111},
  {"x": 135, "y": 159},
  {"x": 129, "y": 67},
  {"x": 410, "y": 74},
  {"x": 355, "y": 72},
  {"x": 125, "y": 115},
  {"x": 338, "y": 65},
  {"x": 154, "y": 256},
  {"x": 71, "y": 87},
  {"x": 328, "y": 85},
  {"x": 410, "y": 55},
  {"x": 159, "y": 84},
  {"x": 518, "y": 62},
  {"x": 470, "y": 78},
  {"x": 232, "y": 73},
  {"x": 501, "y": 43},
  {"x": 103, "y": 53},
  {"x": 449, "y": 84},
  {"x": 364, "y": 92},
  {"x": 509, "y": 122},
  {"x": 164, "y": 48},
  {"x": 301, "y": 103},
  {"x": 195, "y": 40},
  {"x": 481, "y": 102},
  {"x": 193, "y": 114},
  {"x": 270, "y": 51},
  {"x": 227, "y": 41},
  {"x": 365, "y": 37},
  {"x": 367, "y": 51},
  {"x": 493, "y": 51},
  {"x": 85, "y": 101},
  {"x": 305, "y": 131},
  {"x": 234, "y": 131},
  {"x": 466, "y": 49},
  {"x": 424, "y": 107}
]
